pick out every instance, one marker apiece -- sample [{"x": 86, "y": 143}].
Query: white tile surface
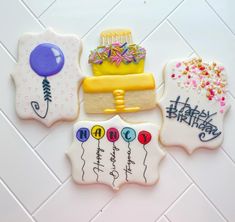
[
  {"x": 147, "y": 203},
  {"x": 163, "y": 219},
  {"x": 214, "y": 173},
  {"x": 38, "y": 7},
  {"x": 21, "y": 170},
  {"x": 19, "y": 21},
  {"x": 223, "y": 8},
  {"x": 74, "y": 203},
  {"x": 163, "y": 45},
  {"x": 53, "y": 150},
  {"x": 193, "y": 207},
  {"x": 169, "y": 29},
  {"x": 206, "y": 34},
  {"x": 81, "y": 17},
  {"x": 229, "y": 139},
  {"x": 11, "y": 211}
]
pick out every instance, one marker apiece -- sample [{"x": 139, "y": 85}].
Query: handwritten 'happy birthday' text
[{"x": 183, "y": 112}]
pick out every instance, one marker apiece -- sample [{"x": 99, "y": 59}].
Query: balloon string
[
  {"x": 146, "y": 153},
  {"x": 97, "y": 174},
  {"x": 83, "y": 151},
  {"x": 47, "y": 97},
  {"x": 97, "y": 179},
  {"x": 129, "y": 150},
  {"x": 114, "y": 168}
]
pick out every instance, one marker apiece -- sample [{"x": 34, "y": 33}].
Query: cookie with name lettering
[
  {"x": 194, "y": 104},
  {"x": 47, "y": 76},
  {"x": 115, "y": 152}
]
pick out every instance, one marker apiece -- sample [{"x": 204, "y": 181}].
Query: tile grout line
[
  {"x": 32, "y": 13},
  {"x": 168, "y": 219},
  {"x": 204, "y": 194},
  {"x": 12, "y": 57},
  {"x": 220, "y": 18},
  {"x": 101, "y": 210},
  {"x": 174, "y": 201},
  {"x": 230, "y": 93},
  {"x": 41, "y": 141},
  {"x": 16, "y": 199},
  {"x": 191, "y": 183},
  {"x": 45, "y": 9},
  {"x": 31, "y": 148},
  {"x": 227, "y": 155},
  {"x": 200, "y": 192},
  {"x": 84, "y": 36},
  {"x": 186, "y": 41},
  {"x": 16, "y": 129},
  {"x": 101, "y": 19},
  {"x": 51, "y": 196},
  {"x": 161, "y": 22}
]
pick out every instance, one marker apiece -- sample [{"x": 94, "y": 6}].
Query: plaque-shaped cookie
[
  {"x": 47, "y": 76},
  {"x": 194, "y": 104},
  {"x": 115, "y": 152}
]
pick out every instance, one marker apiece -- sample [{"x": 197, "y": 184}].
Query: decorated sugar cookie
[
  {"x": 115, "y": 152},
  {"x": 194, "y": 104},
  {"x": 47, "y": 76},
  {"x": 119, "y": 83}
]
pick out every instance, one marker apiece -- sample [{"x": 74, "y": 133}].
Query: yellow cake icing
[
  {"x": 108, "y": 83},
  {"x": 107, "y": 68}
]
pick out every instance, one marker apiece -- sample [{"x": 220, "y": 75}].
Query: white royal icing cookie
[
  {"x": 194, "y": 104},
  {"x": 47, "y": 76},
  {"x": 114, "y": 152}
]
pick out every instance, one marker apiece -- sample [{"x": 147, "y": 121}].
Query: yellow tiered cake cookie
[{"x": 119, "y": 83}]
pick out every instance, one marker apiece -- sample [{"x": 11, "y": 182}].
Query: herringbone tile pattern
[{"x": 35, "y": 181}]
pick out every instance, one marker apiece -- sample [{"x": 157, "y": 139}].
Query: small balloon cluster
[{"x": 128, "y": 134}]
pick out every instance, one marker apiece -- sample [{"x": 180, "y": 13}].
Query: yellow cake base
[
  {"x": 119, "y": 93},
  {"x": 134, "y": 101}
]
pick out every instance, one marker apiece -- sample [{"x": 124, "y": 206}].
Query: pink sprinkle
[
  {"x": 193, "y": 67},
  {"x": 221, "y": 68},
  {"x": 116, "y": 43},
  {"x": 222, "y": 103},
  {"x": 221, "y": 111},
  {"x": 179, "y": 76},
  {"x": 178, "y": 64}
]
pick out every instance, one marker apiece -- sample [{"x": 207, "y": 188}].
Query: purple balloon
[
  {"x": 83, "y": 134},
  {"x": 46, "y": 59}
]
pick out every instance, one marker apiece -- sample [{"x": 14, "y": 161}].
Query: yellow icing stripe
[
  {"x": 107, "y": 68},
  {"x": 144, "y": 81}
]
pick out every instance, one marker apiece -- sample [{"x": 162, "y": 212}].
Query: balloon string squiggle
[
  {"x": 47, "y": 97},
  {"x": 83, "y": 172},
  {"x": 145, "y": 169}
]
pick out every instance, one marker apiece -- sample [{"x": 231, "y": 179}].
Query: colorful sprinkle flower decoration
[
  {"x": 203, "y": 77},
  {"x": 46, "y": 60},
  {"x": 117, "y": 53}
]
